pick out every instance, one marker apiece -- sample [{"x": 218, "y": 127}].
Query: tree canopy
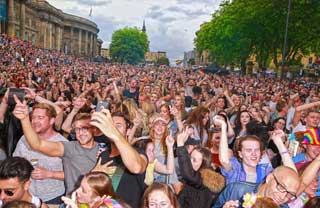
[
  {"x": 129, "y": 45},
  {"x": 241, "y": 28}
]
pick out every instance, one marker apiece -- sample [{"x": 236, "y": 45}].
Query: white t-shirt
[{"x": 299, "y": 127}]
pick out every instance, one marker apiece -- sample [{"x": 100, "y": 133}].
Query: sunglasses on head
[{"x": 7, "y": 192}]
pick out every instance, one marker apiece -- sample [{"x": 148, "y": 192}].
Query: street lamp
[{"x": 285, "y": 40}]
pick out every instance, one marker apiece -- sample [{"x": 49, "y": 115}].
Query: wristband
[{"x": 284, "y": 152}]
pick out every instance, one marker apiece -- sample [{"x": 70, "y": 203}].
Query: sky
[{"x": 170, "y": 24}]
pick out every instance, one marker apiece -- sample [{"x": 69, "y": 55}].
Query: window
[{"x": 26, "y": 36}]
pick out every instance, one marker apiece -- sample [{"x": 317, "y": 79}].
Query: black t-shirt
[
  {"x": 131, "y": 186},
  {"x": 134, "y": 95}
]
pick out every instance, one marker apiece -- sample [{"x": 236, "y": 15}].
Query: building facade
[
  {"x": 48, "y": 27},
  {"x": 153, "y": 57}
]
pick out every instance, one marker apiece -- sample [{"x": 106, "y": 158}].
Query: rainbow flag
[
  {"x": 178, "y": 62},
  {"x": 312, "y": 136}
]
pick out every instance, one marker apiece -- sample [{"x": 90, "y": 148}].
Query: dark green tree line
[{"x": 241, "y": 28}]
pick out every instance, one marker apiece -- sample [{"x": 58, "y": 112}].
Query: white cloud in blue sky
[{"x": 171, "y": 24}]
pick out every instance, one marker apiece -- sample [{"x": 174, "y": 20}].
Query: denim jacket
[{"x": 237, "y": 172}]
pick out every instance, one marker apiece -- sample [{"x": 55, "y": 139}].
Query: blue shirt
[
  {"x": 237, "y": 172},
  {"x": 236, "y": 191}
]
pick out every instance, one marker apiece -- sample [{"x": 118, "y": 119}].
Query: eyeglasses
[
  {"x": 81, "y": 129},
  {"x": 289, "y": 195},
  {"x": 7, "y": 192}
]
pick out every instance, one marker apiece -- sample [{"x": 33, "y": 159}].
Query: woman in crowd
[
  {"x": 95, "y": 188},
  {"x": 159, "y": 195},
  {"x": 153, "y": 163},
  {"x": 199, "y": 120},
  {"x": 201, "y": 185},
  {"x": 243, "y": 118}
]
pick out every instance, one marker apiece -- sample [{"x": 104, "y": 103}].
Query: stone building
[{"x": 48, "y": 27}]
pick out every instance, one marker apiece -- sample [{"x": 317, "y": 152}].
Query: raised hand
[
  {"x": 278, "y": 136},
  {"x": 21, "y": 110},
  {"x": 103, "y": 121},
  {"x": 29, "y": 93},
  {"x": 218, "y": 120},
  {"x": 174, "y": 111},
  {"x": 106, "y": 168},
  {"x": 182, "y": 137},
  {"x": 170, "y": 141}
]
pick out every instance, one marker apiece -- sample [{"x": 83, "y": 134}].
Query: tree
[
  {"x": 163, "y": 61},
  {"x": 242, "y": 28},
  {"x": 129, "y": 45}
]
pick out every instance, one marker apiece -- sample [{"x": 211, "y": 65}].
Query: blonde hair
[{"x": 132, "y": 107}]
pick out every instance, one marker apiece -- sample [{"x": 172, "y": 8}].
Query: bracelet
[{"x": 284, "y": 152}]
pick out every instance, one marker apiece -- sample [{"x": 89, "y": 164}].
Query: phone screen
[
  {"x": 20, "y": 93},
  {"x": 102, "y": 105}
]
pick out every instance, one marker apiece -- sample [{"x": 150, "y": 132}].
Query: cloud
[
  {"x": 91, "y": 2},
  {"x": 170, "y": 24},
  {"x": 155, "y": 14},
  {"x": 167, "y": 19}
]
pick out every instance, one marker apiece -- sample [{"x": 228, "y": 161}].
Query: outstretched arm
[
  {"x": 277, "y": 136},
  {"x": 135, "y": 162},
  {"x": 223, "y": 147},
  {"x": 309, "y": 174},
  {"x": 169, "y": 167},
  {"x": 53, "y": 149}
]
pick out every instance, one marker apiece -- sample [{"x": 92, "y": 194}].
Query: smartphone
[
  {"x": 293, "y": 147},
  {"x": 102, "y": 105},
  {"x": 20, "y": 93}
]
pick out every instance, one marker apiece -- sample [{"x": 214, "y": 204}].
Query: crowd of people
[{"x": 84, "y": 134}]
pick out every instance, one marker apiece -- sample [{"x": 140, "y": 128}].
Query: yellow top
[{"x": 149, "y": 178}]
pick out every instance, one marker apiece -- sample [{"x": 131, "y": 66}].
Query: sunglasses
[{"x": 7, "y": 192}]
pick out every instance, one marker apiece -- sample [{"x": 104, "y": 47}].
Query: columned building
[{"x": 48, "y": 27}]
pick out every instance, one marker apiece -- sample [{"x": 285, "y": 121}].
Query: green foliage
[
  {"x": 129, "y": 45},
  {"x": 163, "y": 61},
  {"x": 191, "y": 62},
  {"x": 241, "y": 28}
]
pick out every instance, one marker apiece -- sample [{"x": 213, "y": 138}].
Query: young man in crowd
[
  {"x": 129, "y": 163},
  {"x": 79, "y": 157},
  {"x": 48, "y": 175},
  {"x": 15, "y": 180}
]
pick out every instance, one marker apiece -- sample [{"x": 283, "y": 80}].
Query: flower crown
[{"x": 249, "y": 199}]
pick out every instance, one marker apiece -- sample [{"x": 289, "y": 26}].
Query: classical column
[
  {"x": 71, "y": 40},
  {"x": 11, "y": 19},
  {"x": 58, "y": 35},
  {"x": 22, "y": 20},
  {"x": 50, "y": 35},
  {"x": 94, "y": 45},
  {"x": 80, "y": 40},
  {"x": 44, "y": 29},
  {"x": 86, "y": 43},
  {"x": 91, "y": 45}
]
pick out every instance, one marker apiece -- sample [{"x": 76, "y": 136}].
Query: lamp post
[{"x": 285, "y": 40}]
